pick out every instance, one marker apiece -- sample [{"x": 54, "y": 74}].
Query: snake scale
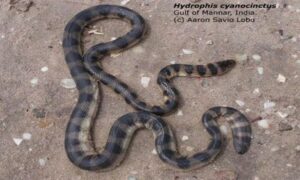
[{"x": 87, "y": 73}]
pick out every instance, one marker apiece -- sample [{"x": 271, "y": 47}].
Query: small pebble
[
  {"x": 224, "y": 129},
  {"x": 114, "y": 55},
  {"x": 209, "y": 42},
  {"x": 145, "y": 81},
  {"x": 243, "y": 58},
  {"x": 256, "y": 178},
  {"x": 17, "y": 141},
  {"x": 294, "y": 56},
  {"x": 281, "y": 78},
  {"x": 154, "y": 151},
  {"x": 30, "y": 149},
  {"x": 298, "y": 61},
  {"x": 42, "y": 162},
  {"x": 281, "y": 114},
  {"x": 284, "y": 127},
  {"x": 172, "y": 62},
  {"x": 274, "y": 149},
  {"x": 34, "y": 81},
  {"x": 68, "y": 83},
  {"x": 187, "y": 51},
  {"x": 44, "y": 69},
  {"x": 131, "y": 178},
  {"x": 179, "y": 113},
  {"x": 297, "y": 148},
  {"x": 294, "y": 39},
  {"x": 256, "y": 57},
  {"x": 113, "y": 38},
  {"x": 263, "y": 124},
  {"x": 289, "y": 165},
  {"x": 26, "y": 136},
  {"x": 138, "y": 50},
  {"x": 184, "y": 138},
  {"x": 2, "y": 36},
  {"x": 260, "y": 70},
  {"x": 240, "y": 103},
  {"x": 95, "y": 31},
  {"x": 269, "y": 104},
  {"x": 189, "y": 148},
  {"x": 256, "y": 91},
  {"x": 124, "y": 2}
]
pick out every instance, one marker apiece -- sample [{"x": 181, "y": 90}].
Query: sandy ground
[{"x": 35, "y": 105}]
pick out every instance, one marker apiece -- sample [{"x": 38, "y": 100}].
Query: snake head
[{"x": 226, "y": 65}]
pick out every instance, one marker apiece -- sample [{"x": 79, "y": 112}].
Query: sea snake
[{"x": 79, "y": 144}]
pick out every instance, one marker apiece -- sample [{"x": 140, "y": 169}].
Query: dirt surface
[{"x": 35, "y": 105}]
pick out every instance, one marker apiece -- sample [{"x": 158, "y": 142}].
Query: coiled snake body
[{"x": 84, "y": 70}]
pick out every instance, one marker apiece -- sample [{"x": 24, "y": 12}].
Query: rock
[
  {"x": 187, "y": 51},
  {"x": 281, "y": 114},
  {"x": 173, "y": 62},
  {"x": 263, "y": 123},
  {"x": 131, "y": 178},
  {"x": 256, "y": 92},
  {"x": 260, "y": 70},
  {"x": 281, "y": 78},
  {"x": 154, "y": 151},
  {"x": 17, "y": 141},
  {"x": 138, "y": 50},
  {"x": 179, "y": 113},
  {"x": 26, "y": 136},
  {"x": 44, "y": 69},
  {"x": 240, "y": 103},
  {"x": 209, "y": 42},
  {"x": 189, "y": 148},
  {"x": 297, "y": 148},
  {"x": 294, "y": 39},
  {"x": 34, "y": 81},
  {"x": 256, "y": 57},
  {"x": 283, "y": 126},
  {"x": 124, "y": 2},
  {"x": 145, "y": 81},
  {"x": 274, "y": 149},
  {"x": 184, "y": 138},
  {"x": 42, "y": 162},
  {"x": 242, "y": 58},
  {"x": 269, "y": 104},
  {"x": 224, "y": 129},
  {"x": 294, "y": 56},
  {"x": 68, "y": 83}
]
